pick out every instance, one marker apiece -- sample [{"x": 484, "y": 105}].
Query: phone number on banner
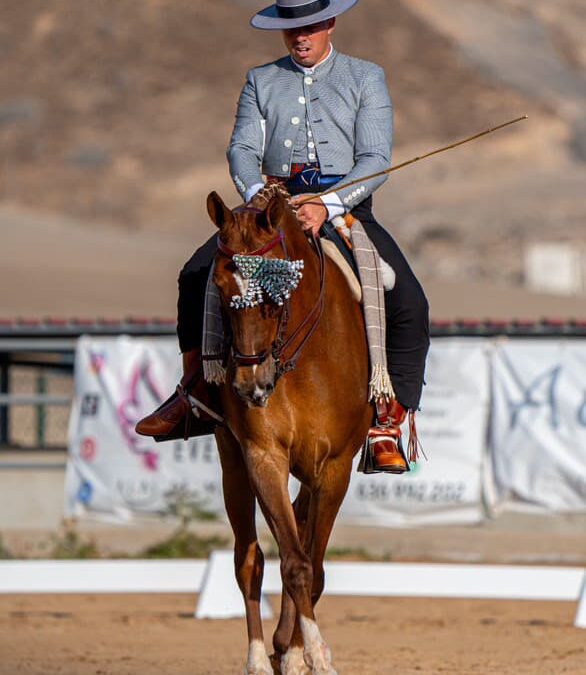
[{"x": 413, "y": 491}]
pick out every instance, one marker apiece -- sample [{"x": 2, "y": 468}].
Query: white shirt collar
[{"x": 310, "y": 71}]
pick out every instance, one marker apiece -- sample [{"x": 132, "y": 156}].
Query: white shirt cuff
[
  {"x": 334, "y": 205},
  {"x": 252, "y": 191}
]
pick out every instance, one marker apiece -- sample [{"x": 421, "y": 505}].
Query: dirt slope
[
  {"x": 116, "y": 115},
  {"x": 113, "y": 110}
]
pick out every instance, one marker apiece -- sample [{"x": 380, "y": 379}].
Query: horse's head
[{"x": 255, "y": 279}]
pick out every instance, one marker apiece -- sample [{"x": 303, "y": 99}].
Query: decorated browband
[{"x": 273, "y": 277}]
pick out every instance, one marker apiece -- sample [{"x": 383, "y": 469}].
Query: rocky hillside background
[{"x": 118, "y": 112}]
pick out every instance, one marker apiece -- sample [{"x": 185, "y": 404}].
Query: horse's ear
[
  {"x": 218, "y": 211},
  {"x": 275, "y": 211}
]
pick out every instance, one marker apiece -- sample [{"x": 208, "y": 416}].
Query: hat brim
[{"x": 269, "y": 19}]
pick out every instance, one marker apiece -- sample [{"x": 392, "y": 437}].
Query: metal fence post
[
  {"x": 41, "y": 410},
  {"x": 4, "y": 409}
]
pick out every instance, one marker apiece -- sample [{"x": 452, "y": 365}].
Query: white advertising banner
[
  {"x": 539, "y": 422},
  {"x": 448, "y": 488},
  {"x": 111, "y": 470},
  {"x": 114, "y": 473}
]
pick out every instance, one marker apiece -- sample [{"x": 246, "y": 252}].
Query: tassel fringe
[
  {"x": 414, "y": 446},
  {"x": 213, "y": 370},
  {"x": 380, "y": 385}
]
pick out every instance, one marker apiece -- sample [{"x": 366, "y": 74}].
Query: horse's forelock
[
  {"x": 251, "y": 225},
  {"x": 246, "y": 231}
]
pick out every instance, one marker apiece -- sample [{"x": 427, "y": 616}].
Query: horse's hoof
[
  {"x": 293, "y": 662},
  {"x": 258, "y": 660},
  {"x": 258, "y": 671},
  {"x": 321, "y": 660}
]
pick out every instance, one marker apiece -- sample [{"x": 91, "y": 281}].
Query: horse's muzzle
[{"x": 255, "y": 384}]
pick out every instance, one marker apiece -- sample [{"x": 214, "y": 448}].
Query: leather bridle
[
  {"x": 228, "y": 252},
  {"x": 305, "y": 329}
]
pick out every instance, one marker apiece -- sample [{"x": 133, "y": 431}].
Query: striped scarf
[
  {"x": 213, "y": 339},
  {"x": 373, "y": 307}
]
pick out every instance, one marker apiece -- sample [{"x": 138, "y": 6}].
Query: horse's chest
[{"x": 306, "y": 461}]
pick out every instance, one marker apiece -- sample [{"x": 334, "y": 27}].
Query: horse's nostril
[
  {"x": 270, "y": 387},
  {"x": 260, "y": 400}
]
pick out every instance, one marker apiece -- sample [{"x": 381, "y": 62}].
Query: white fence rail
[{"x": 220, "y": 598}]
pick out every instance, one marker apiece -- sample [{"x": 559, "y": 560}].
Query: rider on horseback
[{"x": 308, "y": 121}]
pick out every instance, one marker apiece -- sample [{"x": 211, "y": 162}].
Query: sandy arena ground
[{"x": 123, "y": 635}]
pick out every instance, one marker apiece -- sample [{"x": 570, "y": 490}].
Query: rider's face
[{"x": 310, "y": 44}]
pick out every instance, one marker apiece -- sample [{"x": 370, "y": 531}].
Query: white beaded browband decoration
[{"x": 274, "y": 277}]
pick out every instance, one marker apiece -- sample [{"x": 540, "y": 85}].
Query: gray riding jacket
[{"x": 346, "y": 103}]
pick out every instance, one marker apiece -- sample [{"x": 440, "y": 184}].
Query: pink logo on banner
[
  {"x": 97, "y": 362},
  {"x": 88, "y": 449},
  {"x": 133, "y": 408}
]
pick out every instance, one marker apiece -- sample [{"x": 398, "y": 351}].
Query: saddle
[
  {"x": 332, "y": 250},
  {"x": 337, "y": 244}
]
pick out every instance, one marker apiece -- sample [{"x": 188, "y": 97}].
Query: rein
[
  {"x": 228, "y": 252},
  {"x": 310, "y": 321}
]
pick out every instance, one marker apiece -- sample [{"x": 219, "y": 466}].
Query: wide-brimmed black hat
[{"x": 286, "y": 14}]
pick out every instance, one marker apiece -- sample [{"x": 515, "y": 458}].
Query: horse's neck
[
  {"x": 298, "y": 245},
  {"x": 337, "y": 296},
  {"x": 339, "y": 337}
]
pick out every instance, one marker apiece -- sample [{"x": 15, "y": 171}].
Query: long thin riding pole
[{"x": 412, "y": 161}]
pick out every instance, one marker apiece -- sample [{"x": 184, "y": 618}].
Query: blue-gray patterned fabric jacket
[{"x": 348, "y": 108}]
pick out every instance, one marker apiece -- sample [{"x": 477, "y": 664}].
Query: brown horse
[{"x": 309, "y": 423}]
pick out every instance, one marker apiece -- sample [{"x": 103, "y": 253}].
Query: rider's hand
[{"x": 312, "y": 215}]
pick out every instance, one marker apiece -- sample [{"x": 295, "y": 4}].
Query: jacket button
[
  {"x": 308, "y": 80},
  {"x": 302, "y": 100},
  {"x": 311, "y": 144},
  {"x": 295, "y": 120},
  {"x": 311, "y": 155},
  {"x": 288, "y": 143},
  {"x": 285, "y": 167}
]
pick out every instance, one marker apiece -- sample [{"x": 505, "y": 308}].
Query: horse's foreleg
[
  {"x": 324, "y": 507},
  {"x": 296, "y": 568},
  {"x": 284, "y": 630},
  {"x": 248, "y": 558},
  {"x": 326, "y": 504}
]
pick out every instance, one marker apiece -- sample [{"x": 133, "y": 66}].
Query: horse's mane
[{"x": 262, "y": 198}]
